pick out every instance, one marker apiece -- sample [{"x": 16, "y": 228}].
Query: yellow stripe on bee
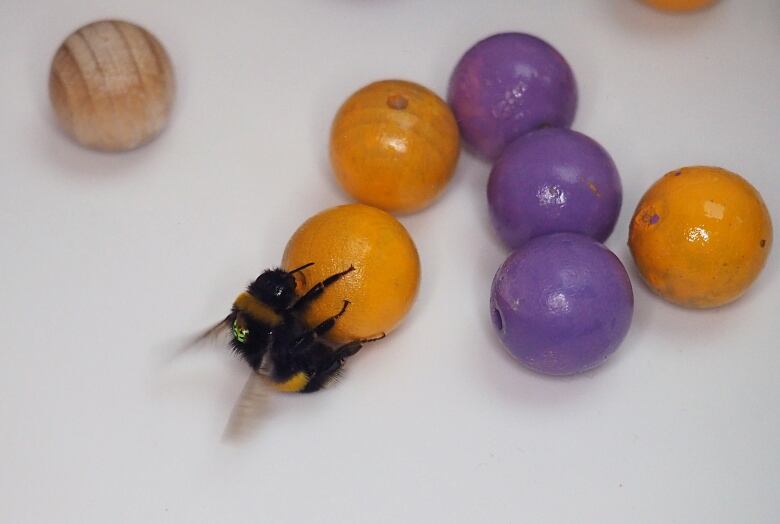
[
  {"x": 260, "y": 312},
  {"x": 293, "y": 384}
]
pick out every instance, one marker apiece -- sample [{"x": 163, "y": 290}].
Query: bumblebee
[{"x": 267, "y": 331}]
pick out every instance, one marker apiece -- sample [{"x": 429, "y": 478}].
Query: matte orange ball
[
  {"x": 679, "y": 5},
  {"x": 700, "y": 236},
  {"x": 384, "y": 283},
  {"x": 394, "y": 145}
]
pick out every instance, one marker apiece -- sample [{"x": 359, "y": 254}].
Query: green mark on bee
[{"x": 240, "y": 332}]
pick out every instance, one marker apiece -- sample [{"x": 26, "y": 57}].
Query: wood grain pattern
[{"x": 111, "y": 85}]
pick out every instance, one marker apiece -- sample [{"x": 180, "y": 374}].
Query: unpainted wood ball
[{"x": 111, "y": 85}]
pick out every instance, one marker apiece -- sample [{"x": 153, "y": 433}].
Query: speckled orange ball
[
  {"x": 394, "y": 145},
  {"x": 383, "y": 286},
  {"x": 700, "y": 236},
  {"x": 679, "y": 5}
]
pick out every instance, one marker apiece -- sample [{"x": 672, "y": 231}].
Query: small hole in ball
[
  {"x": 498, "y": 320},
  {"x": 397, "y": 102}
]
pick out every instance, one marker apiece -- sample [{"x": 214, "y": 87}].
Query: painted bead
[
  {"x": 679, "y": 5},
  {"x": 382, "y": 288},
  {"x": 507, "y": 85},
  {"x": 561, "y": 304},
  {"x": 551, "y": 181},
  {"x": 394, "y": 145},
  {"x": 111, "y": 85},
  {"x": 700, "y": 236}
]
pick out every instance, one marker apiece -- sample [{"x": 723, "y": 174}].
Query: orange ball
[
  {"x": 394, "y": 145},
  {"x": 679, "y": 5},
  {"x": 700, "y": 236},
  {"x": 383, "y": 286}
]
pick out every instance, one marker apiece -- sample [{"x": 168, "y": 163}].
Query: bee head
[
  {"x": 275, "y": 288},
  {"x": 250, "y": 342}
]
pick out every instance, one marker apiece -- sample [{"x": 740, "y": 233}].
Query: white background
[{"x": 108, "y": 261}]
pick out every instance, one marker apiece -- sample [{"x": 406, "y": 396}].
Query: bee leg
[
  {"x": 322, "y": 328},
  {"x": 318, "y": 289},
  {"x": 350, "y": 348},
  {"x": 323, "y": 376}
]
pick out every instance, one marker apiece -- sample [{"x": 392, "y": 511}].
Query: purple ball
[
  {"x": 553, "y": 181},
  {"x": 507, "y": 85},
  {"x": 562, "y": 303}
]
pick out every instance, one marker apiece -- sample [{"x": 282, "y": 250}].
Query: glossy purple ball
[
  {"x": 553, "y": 181},
  {"x": 507, "y": 85},
  {"x": 562, "y": 303}
]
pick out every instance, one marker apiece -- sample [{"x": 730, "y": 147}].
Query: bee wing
[
  {"x": 248, "y": 410},
  {"x": 212, "y": 332}
]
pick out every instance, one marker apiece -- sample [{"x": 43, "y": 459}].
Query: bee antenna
[{"x": 301, "y": 268}]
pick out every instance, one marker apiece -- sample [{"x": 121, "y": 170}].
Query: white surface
[{"x": 109, "y": 260}]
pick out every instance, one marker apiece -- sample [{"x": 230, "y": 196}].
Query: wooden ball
[{"x": 111, "y": 85}]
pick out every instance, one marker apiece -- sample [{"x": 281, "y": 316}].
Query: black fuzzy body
[{"x": 269, "y": 333}]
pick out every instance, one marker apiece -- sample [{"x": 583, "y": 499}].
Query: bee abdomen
[{"x": 294, "y": 384}]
